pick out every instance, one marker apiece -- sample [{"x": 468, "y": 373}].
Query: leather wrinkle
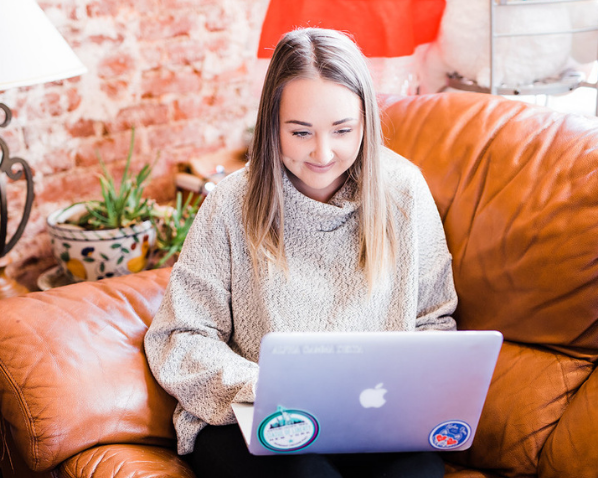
[{"x": 25, "y": 411}]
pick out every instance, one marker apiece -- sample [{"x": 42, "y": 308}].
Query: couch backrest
[
  {"x": 517, "y": 189},
  {"x": 73, "y": 372}
]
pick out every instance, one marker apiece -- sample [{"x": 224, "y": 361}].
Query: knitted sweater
[{"x": 203, "y": 345}]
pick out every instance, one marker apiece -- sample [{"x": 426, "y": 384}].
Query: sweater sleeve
[
  {"x": 187, "y": 342},
  {"x": 437, "y": 298}
]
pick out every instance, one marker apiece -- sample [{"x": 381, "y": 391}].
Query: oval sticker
[
  {"x": 288, "y": 430},
  {"x": 449, "y": 435}
]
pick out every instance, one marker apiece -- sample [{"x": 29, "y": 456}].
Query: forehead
[{"x": 317, "y": 100}]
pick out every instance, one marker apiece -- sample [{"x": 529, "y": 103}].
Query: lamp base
[{"x": 8, "y": 286}]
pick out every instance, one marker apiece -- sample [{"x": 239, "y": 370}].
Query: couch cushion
[
  {"x": 73, "y": 372},
  {"x": 530, "y": 390},
  {"x": 517, "y": 189},
  {"x": 125, "y": 461},
  {"x": 574, "y": 436}
]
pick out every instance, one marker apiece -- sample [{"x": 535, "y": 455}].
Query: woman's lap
[{"x": 220, "y": 451}]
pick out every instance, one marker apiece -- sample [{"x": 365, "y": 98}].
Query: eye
[
  {"x": 343, "y": 131},
  {"x": 301, "y": 134}
]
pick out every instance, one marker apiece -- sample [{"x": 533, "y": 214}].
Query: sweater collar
[{"x": 303, "y": 212}]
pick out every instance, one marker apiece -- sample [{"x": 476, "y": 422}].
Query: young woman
[{"x": 325, "y": 230}]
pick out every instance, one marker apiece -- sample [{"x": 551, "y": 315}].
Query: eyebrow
[{"x": 309, "y": 125}]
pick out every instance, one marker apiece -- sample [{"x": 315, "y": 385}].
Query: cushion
[{"x": 73, "y": 373}]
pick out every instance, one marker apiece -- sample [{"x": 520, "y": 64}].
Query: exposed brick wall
[{"x": 180, "y": 71}]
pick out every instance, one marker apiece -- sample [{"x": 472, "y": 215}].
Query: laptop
[{"x": 360, "y": 392}]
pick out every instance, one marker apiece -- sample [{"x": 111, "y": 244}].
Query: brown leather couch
[{"x": 517, "y": 188}]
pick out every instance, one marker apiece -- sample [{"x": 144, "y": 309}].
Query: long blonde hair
[{"x": 329, "y": 55}]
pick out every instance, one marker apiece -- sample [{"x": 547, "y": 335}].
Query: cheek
[
  {"x": 350, "y": 149},
  {"x": 291, "y": 149}
]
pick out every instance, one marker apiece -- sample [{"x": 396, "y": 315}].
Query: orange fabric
[{"x": 382, "y": 28}]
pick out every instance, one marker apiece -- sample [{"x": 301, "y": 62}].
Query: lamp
[{"x": 32, "y": 51}]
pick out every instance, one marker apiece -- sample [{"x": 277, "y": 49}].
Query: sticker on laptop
[
  {"x": 288, "y": 430},
  {"x": 449, "y": 435}
]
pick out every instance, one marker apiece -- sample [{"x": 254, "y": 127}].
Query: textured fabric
[{"x": 204, "y": 342}]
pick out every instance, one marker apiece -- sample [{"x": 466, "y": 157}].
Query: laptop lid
[{"x": 354, "y": 392}]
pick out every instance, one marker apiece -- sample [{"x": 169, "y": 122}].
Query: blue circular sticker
[
  {"x": 288, "y": 430},
  {"x": 449, "y": 435}
]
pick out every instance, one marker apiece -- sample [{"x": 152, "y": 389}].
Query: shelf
[{"x": 568, "y": 81}]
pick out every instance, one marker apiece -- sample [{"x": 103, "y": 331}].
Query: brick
[
  {"x": 55, "y": 161},
  {"x": 82, "y": 128},
  {"x": 111, "y": 148},
  {"x": 176, "y": 135},
  {"x": 118, "y": 64},
  {"x": 68, "y": 187},
  {"x": 74, "y": 99},
  {"x": 192, "y": 106},
  {"x": 218, "y": 19},
  {"x": 12, "y": 138},
  {"x": 152, "y": 55},
  {"x": 103, "y": 8},
  {"x": 139, "y": 115},
  {"x": 115, "y": 89},
  {"x": 162, "y": 27},
  {"x": 45, "y": 134},
  {"x": 142, "y": 5},
  {"x": 105, "y": 39},
  {"x": 170, "y": 5},
  {"x": 157, "y": 83},
  {"x": 185, "y": 52}
]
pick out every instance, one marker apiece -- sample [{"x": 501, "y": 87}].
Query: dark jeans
[{"x": 220, "y": 452}]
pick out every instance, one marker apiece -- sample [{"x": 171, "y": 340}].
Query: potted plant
[
  {"x": 108, "y": 237},
  {"x": 172, "y": 225}
]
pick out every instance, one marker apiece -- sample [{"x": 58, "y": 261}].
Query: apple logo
[{"x": 373, "y": 397}]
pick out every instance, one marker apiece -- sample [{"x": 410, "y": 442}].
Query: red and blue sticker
[{"x": 450, "y": 435}]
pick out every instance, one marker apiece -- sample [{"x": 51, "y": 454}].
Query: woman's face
[{"x": 321, "y": 129}]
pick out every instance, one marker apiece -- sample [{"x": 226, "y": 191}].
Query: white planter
[{"x": 93, "y": 255}]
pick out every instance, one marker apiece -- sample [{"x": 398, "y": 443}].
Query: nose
[{"x": 322, "y": 153}]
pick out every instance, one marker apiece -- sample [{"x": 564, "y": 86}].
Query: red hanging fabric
[{"x": 382, "y": 28}]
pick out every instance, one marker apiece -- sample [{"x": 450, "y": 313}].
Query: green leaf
[{"x": 122, "y": 206}]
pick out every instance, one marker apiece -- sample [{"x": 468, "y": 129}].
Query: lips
[{"x": 319, "y": 169}]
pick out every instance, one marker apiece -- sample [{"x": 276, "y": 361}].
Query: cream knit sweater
[{"x": 204, "y": 342}]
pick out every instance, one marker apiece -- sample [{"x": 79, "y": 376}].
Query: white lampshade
[{"x": 32, "y": 51}]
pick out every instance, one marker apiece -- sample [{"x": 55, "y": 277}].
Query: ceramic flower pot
[{"x": 93, "y": 255}]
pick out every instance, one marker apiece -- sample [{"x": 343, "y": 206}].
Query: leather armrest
[
  {"x": 73, "y": 372},
  {"x": 571, "y": 450},
  {"x": 530, "y": 390},
  {"x": 124, "y": 461}
]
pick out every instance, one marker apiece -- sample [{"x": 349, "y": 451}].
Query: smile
[{"x": 320, "y": 169}]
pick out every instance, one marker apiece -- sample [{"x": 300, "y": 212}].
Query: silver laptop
[{"x": 365, "y": 392}]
